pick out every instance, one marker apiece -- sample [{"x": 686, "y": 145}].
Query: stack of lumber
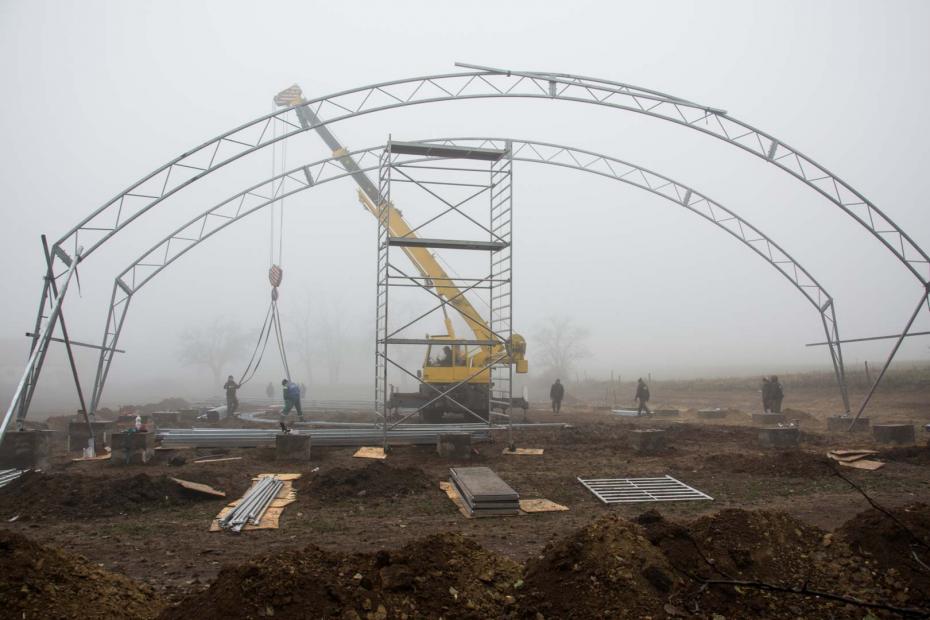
[
  {"x": 484, "y": 493},
  {"x": 857, "y": 459}
]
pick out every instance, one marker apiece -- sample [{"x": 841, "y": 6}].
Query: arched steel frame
[
  {"x": 141, "y": 271},
  {"x": 480, "y": 83}
]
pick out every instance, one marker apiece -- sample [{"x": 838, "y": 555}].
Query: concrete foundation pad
[
  {"x": 841, "y": 423},
  {"x": 648, "y": 440},
  {"x": 25, "y": 450},
  {"x": 894, "y": 433},
  {"x": 779, "y": 437},
  {"x": 767, "y": 419},
  {"x": 292, "y": 447},
  {"x": 132, "y": 448},
  {"x": 78, "y": 434},
  {"x": 711, "y": 414},
  {"x": 454, "y": 445}
]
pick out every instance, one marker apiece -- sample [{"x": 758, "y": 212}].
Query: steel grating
[{"x": 633, "y": 490}]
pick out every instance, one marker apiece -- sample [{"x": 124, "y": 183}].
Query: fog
[{"x": 98, "y": 94}]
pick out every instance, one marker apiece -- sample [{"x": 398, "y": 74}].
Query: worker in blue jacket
[{"x": 291, "y": 399}]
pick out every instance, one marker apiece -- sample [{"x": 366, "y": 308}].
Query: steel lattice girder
[
  {"x": 303, "y": 177},
  {"x": 487, "y": 83}
]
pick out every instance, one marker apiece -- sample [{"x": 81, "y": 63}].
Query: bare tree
[
  {"x": 559, "y": 345},
  {"x": 214, "y": 345}
]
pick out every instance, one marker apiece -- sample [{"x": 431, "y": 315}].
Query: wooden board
[
  {"x": 525, "y": 451},
  {"x": 449, "y": 489},
  {"x": 848, "y": 456},
  {"x": 863, "y": 464},
  {"x": 99, "y": 457},
  {"x": 370, "y": 453},
  {"x": 540, "y": 505},
  {"x": 272, "y": 517},
  {"x": 199, "y": 488},
  {"x": 227, "y": 458}
]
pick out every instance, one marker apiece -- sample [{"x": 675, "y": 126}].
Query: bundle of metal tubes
[
  {"x": 253, "y": 504},
  {"x": 9, "y": 475}
]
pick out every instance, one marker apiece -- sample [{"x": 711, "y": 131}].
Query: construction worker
[
  {"x": 642, "y": 395},
  {"x": 766, "y": 395},
  {"x": 777, "y": 394},
  {"x": 291, "y": 399},
  {"x": 446, "y": 359},
  {"x": 232, "y": 402},
  {"x": 556, "y": 394}
]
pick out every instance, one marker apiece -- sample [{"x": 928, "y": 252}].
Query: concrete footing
[
  {"x": 130, "y": 448},
  {"x": 779, "y": 437},
  {"x": 454, "y": 445},
  {"x": 292, "y": 447},
  {"x": 648, "y": 440},
  {"x": 768, "y": 418},
  {"x": 25, "y": 450},
  {"x": 78, "y": 434},
  {"x": 894, "y": 433},
  {"x": 711, "y": 414},
  {"x": 841, "y": 423}
]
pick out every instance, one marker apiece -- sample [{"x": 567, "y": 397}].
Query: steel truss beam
[{"x": 304, "y": 177}]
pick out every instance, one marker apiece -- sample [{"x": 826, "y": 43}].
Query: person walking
[
  {"x": 232, "y": 402},
  {"x": 777, "y": 394},
  {"x": 291, "y": 399},
  {"x": 642, "y": 395},
  {"x": 556, "y": 394},
  {"x": 766, "y": 395}
]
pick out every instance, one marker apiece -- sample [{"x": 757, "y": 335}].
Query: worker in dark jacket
[
  {"x": 766, "y": 395},
  {"x": 291, "y": 399},
  {"x": 642, "y": 395},
  {"x": 556, "y": 394},
  {"x": 777, "y": 394},
  {"x": 232, "y": 402}
]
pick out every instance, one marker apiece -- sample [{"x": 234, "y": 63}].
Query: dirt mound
[
  {"x": 605, "y": 570},
  {"x": 877, "y": 537},
  {"x": 69, "y": 496},
  {"x": 43, "y": 582},
  {"x": 914, "y": 455},
  {"x": 797, "y": 414},
  {"x": 444, "y": 575},
  {"x": 789, "y": 464},
  {"x": 376, "y": 479}
]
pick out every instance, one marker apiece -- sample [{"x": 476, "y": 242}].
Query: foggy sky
[{"x": 98, "y": 94}]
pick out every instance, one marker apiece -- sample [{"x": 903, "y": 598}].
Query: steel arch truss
[
  {"x": 485, "y": 83},
  {"x": 301, "y": 178}
]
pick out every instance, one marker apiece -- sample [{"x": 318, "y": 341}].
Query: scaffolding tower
[{"x": 472, "y": 375}]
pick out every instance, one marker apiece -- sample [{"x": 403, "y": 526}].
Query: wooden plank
[
  {"x": 449, "y": 489},
  {"x": 848, "y": 456},
  {"x": 370, "y": 453},
  {"x": 866, "y": 465},
  {"x": 851, "y": 452},
  {"x": 524, "y": 451},
  {"x": 222, "y": 460},
  {"x": 540, "y": 505},
  {"x": 199, "y": 488}
]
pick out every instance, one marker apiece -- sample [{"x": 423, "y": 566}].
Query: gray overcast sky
[{"x": 98, "y": 94}]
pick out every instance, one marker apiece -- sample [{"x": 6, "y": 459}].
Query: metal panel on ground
[{"x": 632, "y": 490}]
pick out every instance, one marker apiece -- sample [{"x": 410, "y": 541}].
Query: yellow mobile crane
[{"x": 456, "y": 364}]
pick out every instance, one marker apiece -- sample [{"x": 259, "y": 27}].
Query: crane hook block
[{"x": 275, "y": 275}]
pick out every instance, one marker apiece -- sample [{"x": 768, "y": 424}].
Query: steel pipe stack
[
  {"x": 253, "y": 504},
  {"x": 9, "y": 475},
  {"x": 373, "y": 435}
]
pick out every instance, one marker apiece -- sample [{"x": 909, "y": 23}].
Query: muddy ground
[{"x": 131, "y": 521}]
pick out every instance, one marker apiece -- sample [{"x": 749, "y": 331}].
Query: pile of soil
[
  {"x": 788, "y": 464},
  {"x": 914, "y": 455},
  {"x": 38, "y": 495},
  {"x": 797, "y": 414},
  {"x": 376, "y": 479},
  {"x": 43, "y": 582},
  {"x": 605, "y": 570},
  {"x": 444, "y": 575},
  {"x": 892, "y": 548}
]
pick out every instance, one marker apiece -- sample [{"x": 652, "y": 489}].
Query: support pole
[
  {"x": 836, "y": 353},
  {"x": 38, "y": 352},
  {"x": 894, "y": 351}
]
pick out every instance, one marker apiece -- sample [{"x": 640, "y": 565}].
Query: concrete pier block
[
  {"x": 454, "y": 445},
  {"x": 711, "y": 414},
  {"x": 78, "y": 434},
  {"x": 292, "y": 447},
  {"x": 25, "y": 450},
  {"x": 894, "y": 433},
  {"x": 841, "y": 423},
  {"x": 779, "y": 437},
  {"x": 767, "y": 419},
  {"x": 648, "y": 440},
  {"x": 132, "y": 448}
]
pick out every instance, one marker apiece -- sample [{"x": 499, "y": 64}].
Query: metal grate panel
[{"x": 633, "y": 490}]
